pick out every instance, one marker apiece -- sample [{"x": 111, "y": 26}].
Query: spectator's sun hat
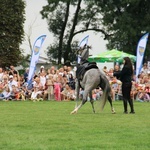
[
  {"x": 11, "y": 76},
  {"x": 42, "y": 66}
]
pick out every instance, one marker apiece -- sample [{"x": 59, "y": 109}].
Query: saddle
[{"x": 82, "y": 68}]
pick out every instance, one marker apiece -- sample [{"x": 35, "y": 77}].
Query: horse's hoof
[
  {"x": 113, "y": 112},
  {"x": 74, "y": 112}
]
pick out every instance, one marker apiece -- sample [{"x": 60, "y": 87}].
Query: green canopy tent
[{"x": 111, "y": 56}]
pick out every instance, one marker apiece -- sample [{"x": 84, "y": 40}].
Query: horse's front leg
[
  {"x": 77, "y": 90},
  {"x": 84, "y": 100}
]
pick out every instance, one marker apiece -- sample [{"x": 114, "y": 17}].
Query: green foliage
[
  {"x": 53, "y": 51},
  {"x": 48, "y": 125},
  {"x": 121, "y": 22},
  {"x": 65, "y": 23},
  {"x": 55, "y": 13},
  {"x": 24, "y": 62},
  {"x": 11, "y": 31},
  {"x": 125, "y": 21}
]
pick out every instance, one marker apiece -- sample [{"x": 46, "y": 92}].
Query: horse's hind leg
[
  {"x": 112, "y": 108},
  {"x": 92, "y": 101}
]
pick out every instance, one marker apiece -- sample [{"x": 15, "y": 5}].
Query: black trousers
[{"x": 126, "y": 90}]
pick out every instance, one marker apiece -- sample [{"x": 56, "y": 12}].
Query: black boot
[
  {"x": 125, "y": 106},
  {"x": 131, "y": 106}
]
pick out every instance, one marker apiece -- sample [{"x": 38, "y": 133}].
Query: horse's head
[
  {"x": 84, "y": 52},
  {"x": 81, "y": 49}
]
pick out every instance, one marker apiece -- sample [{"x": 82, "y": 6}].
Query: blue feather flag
[
  {"x": 35, "y": 56},
  {"x": 84, "y": 41}
]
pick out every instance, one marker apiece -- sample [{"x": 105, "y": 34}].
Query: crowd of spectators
[
  {"x": 51, "y": 84},
  {"x": 140, "y": 86},
  {"x": 59, "y": 84}
]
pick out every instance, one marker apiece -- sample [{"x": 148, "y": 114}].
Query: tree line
[{"x": 122, "y": 24}]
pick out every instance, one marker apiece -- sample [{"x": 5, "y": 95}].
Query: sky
[{"x": 39, "y": 27}]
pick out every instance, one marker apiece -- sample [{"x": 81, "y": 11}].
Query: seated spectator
[
  {"x": 115, "y": 86},
  {"x": 96, "y": 94},
  {"x": 22, "y": 95},
  {"x": 26, "y": 92},
  {"x": 72, "y": 95},
  {"x": 134, "y": 90},
  {"x": 143, "y": 96},
  {"x": 12, "y": 82},
  {"x": 65, "y": 93},
  {"x": 37, "y": 89},
  {"x": 50, "y": 87},
  {"x": 3, "y": 83},
  {"x": 81, "y": 92},
  {"x": 15, "y": 95},
  {"x": 68, "y": 93},
  {"x": 5, "y": 94},
  {"x": 99, "y": 93}
]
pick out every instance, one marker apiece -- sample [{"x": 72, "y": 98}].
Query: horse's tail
[{"x": 105, "y": 86}]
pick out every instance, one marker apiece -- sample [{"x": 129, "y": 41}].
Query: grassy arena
[{"x": 48, "y": 125}]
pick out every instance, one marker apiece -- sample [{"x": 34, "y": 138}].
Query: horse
[{"x": 89, "y": 77}]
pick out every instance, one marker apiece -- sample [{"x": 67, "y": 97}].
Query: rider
[
  {"x": 83, "y": 54},
  {"x": 82, "y": 63}
]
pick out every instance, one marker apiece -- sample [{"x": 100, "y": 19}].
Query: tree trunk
[
  {"x": 62, "y": 33},
  {"x": 68, "y": 48}
]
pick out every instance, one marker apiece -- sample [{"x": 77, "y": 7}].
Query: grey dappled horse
[{"x": 89, "y": 80}]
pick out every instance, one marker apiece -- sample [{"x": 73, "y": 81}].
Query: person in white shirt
[
  {"x": 43, "y": 79},
  {"x": 12, "y": 82},
  {"x": 38, "y": 89},
  {"x": 70, "y": 71}
]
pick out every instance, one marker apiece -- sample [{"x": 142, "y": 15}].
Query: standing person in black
[{"x": 125, "y": 75}]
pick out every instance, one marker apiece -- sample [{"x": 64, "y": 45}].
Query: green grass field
[{"x": 48, "y": 125}]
